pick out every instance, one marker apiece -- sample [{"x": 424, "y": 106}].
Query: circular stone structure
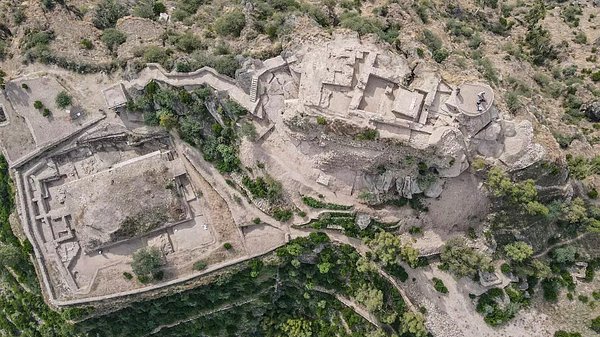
[{"x": 474, "y": 99}]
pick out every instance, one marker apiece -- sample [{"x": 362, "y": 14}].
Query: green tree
[
  {"x": 167, "y": 119},
  {"x": 596, "y": 324},
  {"x": 370, "y": 297},
  {"x": 145, "y": 9},
  {"x": 147, "y": 262},
  {"x": 324, "y": 267},
  {"x": 297, "y": 328},
  {"x": 108, "y": 12},
  {"x": 155, "y": 54},
  {"x": 230, "y": 24},
  {"x": 113, "y": 38},
  {"x": 414, "y": 323},
  {"x": 386, "y": 246},
  {"x": 576, "y": 212},
  {"x": 364, "y": 265},
  {"x": 200, "y": 265},
  {"x": 10, "y": 256},
  {"x": 564, "y": 254},
  {"x": 376, "y": 333},
  {"x": 189, "y": 42},
  {"x": 518, "y": 251},
  {"x": 63, "y": 100},
  {"x": 410, "y": 255},
  {"x": 462, "y": 260}
]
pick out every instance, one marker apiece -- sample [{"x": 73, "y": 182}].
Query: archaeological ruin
[{"x": 344, "y": 118}]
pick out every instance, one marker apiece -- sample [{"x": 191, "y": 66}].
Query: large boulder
[
  {"x": 449, "y": 143},
  {"x": 592, "y": 111},
  {"x": 520, "y": 151}
]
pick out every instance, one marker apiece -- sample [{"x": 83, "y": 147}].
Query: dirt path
[
  {"x": 206, "y": 313},
  {"x": 350, "y": 303},
  {"x": 363, "y": 249},
  {"x": 558, "y": 244}
]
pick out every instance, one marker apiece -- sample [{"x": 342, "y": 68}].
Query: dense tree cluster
[
  {"x": 288, "y": 295},
  {"x": 461, "y": 260},
  {"x": 187, "y": 113}
]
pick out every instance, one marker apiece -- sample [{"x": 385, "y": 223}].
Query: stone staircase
[{"x": 254, "y": 89}]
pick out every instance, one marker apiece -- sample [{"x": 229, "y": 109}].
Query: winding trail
[
  {"x": 206, "y": 313},
  {"x": 362, "y": 249},
  {"x": 558, "y": 244},
  {"x": 350, "y": 303}
]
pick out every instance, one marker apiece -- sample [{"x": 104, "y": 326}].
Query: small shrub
[
  {"x": 108, "y": 12},
  {"x": 321, "y": 120},
  {"x": 440, "y": 55},
  {"x": 26, "y": 87},
  {"x": 563, "y": 333},
  {"x": 595, "y": 76},
  {"x": 256, "y": 221},
  {"x": 571, "y": 15},
  {"x": 415, "y": 230},
  {"x": 505, "y": 268},
  {"x": 512, "y": 101},
  {"x": 200, "y": 265},
  {"x": 282, "y": 214},
  {"x": 189, "y": 42},
  {"x": 420, "y": 52},
  {"x": 113, "y": 38},
  {"x": 46, "y": 112},
  {"x": 596, "y": 324},
  {"x": 439, "y": 286},
  {"x": 155, "y": 54},
  {"x": 38, "y": 105},
  {"x": 146, "y": 264},
  {"x": 146, "y": 9},
  {"x": 63, "y": 100},
  {"x": 19, "y": 16},
  {"x": 550, "y": 289},
  {"x": 580, "y": 38},
  {"x": 127, "y": 276},
  {"x": 227, "y": 245},
  {"x": 230, "y": 24},
  {"x": 48, "y": 4},
  {"x": 368, "y": 134},
  {"x": 86, "y": 44}
]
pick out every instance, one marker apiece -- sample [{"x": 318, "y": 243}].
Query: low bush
[
  {"x": 230, "y": 24},
  {"x": 367, "y": 134},
  {"x": 86, "y": 44},
  {"x": 113, "y": 38},
  {"x": 314, "y": 203},
  {"x": 283, "y": 215},
  {"x": 189, "y": 42},
  {"x": 200, "y": 265},
  {"x": 264, "y": 188},
  {"x": 439, "y": 285},
  {"x": 108, "y": 12},
  {"x": 550, "y": 288},
  {"x": 63, "y": 99}
]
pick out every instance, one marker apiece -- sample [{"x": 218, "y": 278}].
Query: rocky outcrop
[
  {"x": 519, "y": 149},
  {"x": 449, "y": 143},
  {"x": 592, "y": 111},
  {"x": 489, "y": 142}
]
